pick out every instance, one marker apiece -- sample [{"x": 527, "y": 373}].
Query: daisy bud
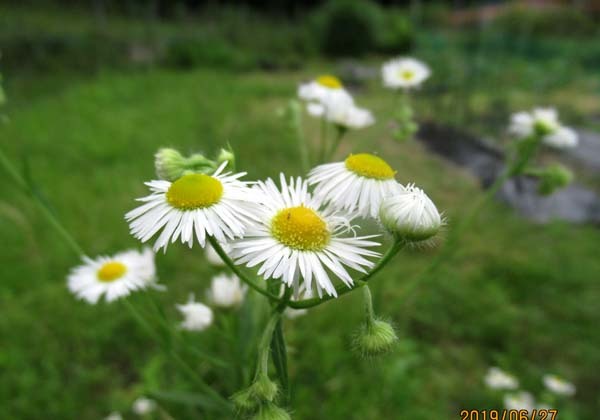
[
  {"x": 226, "y": 155},
  {"x": 410, "y": 215},
  {"x": 553, "y": 178},
  {"x": 262, "y": 390},
  {"x": 197, "y": 316},
  {"x": 172, "y": 165},
  {"x": 375, "y": 337},
  {"x": 270, "y": 411}
]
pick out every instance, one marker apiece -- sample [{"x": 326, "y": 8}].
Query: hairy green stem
[
  {"x": 369, "y": 313},
  {"x": 341, "y": 131},
  {"x": 215, "y": 244},
  {"x": 262, "y": 367},
  {"x": 343, "y": 289}
]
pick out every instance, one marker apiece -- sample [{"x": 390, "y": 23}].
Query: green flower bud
[
  {"x": 226, "y": 155},
  {"x": 375, "y": 337},
  {"x": 169, "y": 164},
  {"x": 172, "y": 165},
  {"x": 270, "y": 411},
  {"x": 553, "y": 178},
  {"x": 262, "y": 390}
]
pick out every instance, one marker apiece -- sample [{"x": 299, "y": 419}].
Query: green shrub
[
  {"x": 559, "y": 21},
  {"x": 397, "y": 35},
  {"x": 347, "y": 27},
  {"x": 188, "y": 53}
]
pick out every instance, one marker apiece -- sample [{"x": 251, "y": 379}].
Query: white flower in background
[
  {"x": 543, "y": 122},
  {"x": 299, "y": 238},
  {"x": 496, "y": 378},
  {"x": 196, "y": 315},
  {"x": 143, "y": 406},
  {"x": 212, "y": 257},
  {"x": 113, "y": 276},
  {"x": 558, "y": 385},
  {"x": 348, "y": 115},
  {"x": 404, "y": 73},
  {"x": 519, "y": 401},
  {"x": 410, "y": 214},
  {"x": 324, "y": 89},
  {"x": 114, "y": 416},
  {"x": 226, "y": 291},
  {"x": 358, "y": 184},
  {"x": 194, "y": 206},
  {"x": 292, "y": 313}
]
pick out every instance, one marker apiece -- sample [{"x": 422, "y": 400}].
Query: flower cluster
[
  {"x": 543, "y": 122},
  {"x": 327, "y": 98},
  {"x": 515, "y": 399}
]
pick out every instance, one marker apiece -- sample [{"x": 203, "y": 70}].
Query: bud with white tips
[
  {"x": 410, "y": 215},
  {"x": 197, "y": 316}
]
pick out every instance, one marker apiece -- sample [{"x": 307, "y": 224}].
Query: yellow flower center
[
  {"x": 111, "y": 271},
  {"x": 300, "y": 228},
  {"x": 194, "y": 191},
  {"x": 329, "y": 81},
  {"x": 407, "y": 74},
  {"x": 369, "y": 166}
]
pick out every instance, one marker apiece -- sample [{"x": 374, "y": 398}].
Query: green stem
[
  {"x": 343, "y": 289},
  {"x": 224, "y": 403},
  {"x": 215, "y": 244},
  {"x": 369, "y": 313},
  {"x": 41, "y": 204},
  {"x": 341, "y": 131},
  {"x": 262, "y": 367},
  {"x": 323, "y": 142},
  {"x": 302, "y": 146}
]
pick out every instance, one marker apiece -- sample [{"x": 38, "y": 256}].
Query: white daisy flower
[
  {"x": 195, "y": 205},
  {"x": 543, "y": 122},
  {"x": 358, "y": 184},
  {"x": 410, "y": 214},
  {"x": 299, "y": 238},
  {"x": 558, "y": 385},
  {"x": 143, "y": 406},
  {"x": 197, "y": 316},
  {"x": 114, "y": 416},
  {"x": 226, "y": 291},
  {"x": 348, "y": 115},
  {"x": 324, "y": 89},
  {"x": 113, "y": 276},
  {"x": 212, "y": 257},
  {"x": 496, "y": 378},
  {"x": 520, "y": 401},
  {"x": 404, "y": 73}
]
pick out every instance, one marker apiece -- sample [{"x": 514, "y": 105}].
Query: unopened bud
[
  {"x": 375, "y": 337},
  {"x": 270, "y": 411},
  {"x": 553, "y": 178}
]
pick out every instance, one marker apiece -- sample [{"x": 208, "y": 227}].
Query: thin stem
[
  {"x": 262, "y": 367},
  {"x": 341, "y": 131},
  {"x": 41, "y": 204},
  {"x": 182, "y": 363},
  {"x": 215, "y": 244},
  {"x": 369, "y": 313},
  {"x": 302, "y": 146},
  {"x": 342, "y": 289},
  {"x": 323, "y": 140}
]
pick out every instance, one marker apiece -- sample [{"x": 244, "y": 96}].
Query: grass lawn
[{"x": 517, "y": 295}]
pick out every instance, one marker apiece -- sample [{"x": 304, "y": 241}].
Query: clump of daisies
[
  {"x": 404, "y": 75},
  {"x": 326, "y": 98},
  {"x": 540, "y": 126}
]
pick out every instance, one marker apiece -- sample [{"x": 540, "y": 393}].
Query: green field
[{"x": 517, "y": 295}]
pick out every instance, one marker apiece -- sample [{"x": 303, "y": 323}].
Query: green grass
[{"x": 518, "y": 295}]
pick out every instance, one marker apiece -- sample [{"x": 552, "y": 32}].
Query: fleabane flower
[
  {"x": 196, "y": 316},
  {"x": 194, "y": 206},
  {"x": 300, "y": 239},
  {"x": 404, "y": 73},
  {"x": 558, "y": 385},
  {"x": 113, "y": 276},
  {"x": 519, "y": 401},
  {"x": 347, "y": 115},
  {"x": 543, "y": 122},
  {"x": 357, "y": 184},
  {"x": 322, "y": 90},
  {"x": 143, "y": 406},
  {"x": 226, "y": 291},
  {"x": 496, "y": 378},
  {"x": 410, "y": 215}
]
